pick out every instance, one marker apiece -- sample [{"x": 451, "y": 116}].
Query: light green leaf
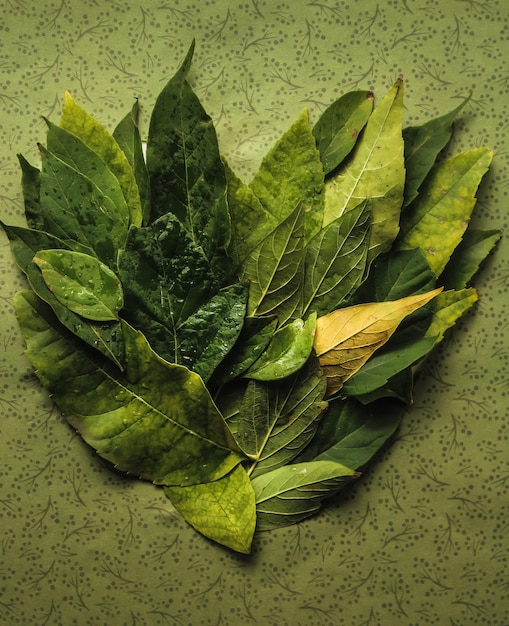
[
  {"x": 466, "y": 259},
  {"x": 81, "y": 283},
  {"x": 335, "y": 260},
  {"x": 156, "y": 420},
  {"x": 291, "y": 173},
  {"x": 127, "y": 135},
  {"x": 291, "y": 493},
  {"x": 438, "y": 218},
  {"x": 276, "y": 421},
  {"x": 381, "y": 367},
  {"x": 449, "y": 307},
  {"x": 423, "y": 144},
  {"x": 351, "y": 433},
  {"x": 187, "y": 175},
  {"x": 223, "y": 510},
  {"x": 78, "y": 122},
  {"x": 275, "y": 270},
  {"x": 345, "y": 339},
  {"x": 339, "y": 126},
  {"x": 287, "y": 351},
  {"x": 375, "y": 172}
]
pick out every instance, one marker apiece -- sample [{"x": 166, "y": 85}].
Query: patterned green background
[{"x": 423, "y": 538}]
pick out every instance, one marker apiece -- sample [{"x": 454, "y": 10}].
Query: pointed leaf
[
  {"x": 439, "y": 216},
  {"x": 352, "y": 433},
  {"x": 339, "y": 126},
  {"x": 468, "y": 256},
  {"x": 31, "y": 183},
  {"x": 275, "y": 269},
  {"x": 251, "y": 223},
  {"x": 335, "y": 260},
  {"x": 289, "y": 494},
  {"x": 81, "y": 283},
  {"x": 449, "y": 307},
  {"x": 103, "y": 336},
  {"x": 374, "y": 172},
  {"x": 156, "y": 420},
  {"x": 187, "y": 175},
  {"x": 75, "y": 208},
  {"x": 223, "y": 510},
  {"x": 287, "y": 351},
  {"x": 127, "y": 135},
  {"x": 78, "y": 122},
  {"x": 423, "y": 144},
  {"x": 346, "y": 338},
  {"x": 277, "y": 421},
  {"x": 292, "y": 173},
  {"x": 383, "y": 366}
]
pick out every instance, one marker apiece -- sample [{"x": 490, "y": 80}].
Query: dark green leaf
[
  {"x": 335, "y": 260},
  {"x": 31, "y": 184},
  {"x": 339, "y": 126},
  {"x": 127, "y": 135},
  {"x": 423, "y": 144},
  {"x": 468, "y": 256},
  {"x": 156, "y": 420},
  {"x": 275, "y": 270},
  {"x": 187, "y": 175},
  {"x": 223, "y": 510},
  {"x": 289, "y": 494}
]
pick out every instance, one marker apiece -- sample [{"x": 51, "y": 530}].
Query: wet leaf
[
  {"x": 345, "y": 339},
  {"x": 223, "y": 510},
  {"x": 291, "y": 493},
  {"x": 339, "y": 126},
  {"x": 423, "y": 144},
  {"x": 156, "y": 420},
  {"x": 81, "y": 283},
  {"x": 275, "y": 271},
  {"x": 449, "y": 307},
  {"x": 375, "y": 172},
  {"x": 287, "y": 352},
  {"x": 78, "y": 122},
  {"x": 438, "y": 218},
  {"x": 290, "y": 174},
  {"x": 335, "y": 260}
]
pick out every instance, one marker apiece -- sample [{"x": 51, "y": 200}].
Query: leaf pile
[{"x": 248, "y": 346}]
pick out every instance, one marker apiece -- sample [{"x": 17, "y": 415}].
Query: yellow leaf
[{"x": 346, "y": 338}]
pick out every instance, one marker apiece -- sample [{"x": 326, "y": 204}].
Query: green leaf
[
  {"x": 345, "y": 339},
  {"x": 31, "y": 184},
  {"x": 223, "y": 510},
  {"x": 289, "y": 494},
  {"x": 291, "y": 173},
  {"x": 449, "y": 307},
  {"x": 81, "y": 283},
  {"x": 275, "y": 270},
  {"x": 375, "y": 172},
  {"x": 187, "y": 175},
  {"x": 466, "y": 259},
  {"x": 335, "y": 260},
  {"x": 352, "y": 433},
  {"x": 287, "y": 352},
  {"x": 423, "y": 144},
  {"x": 276, "y": 421},
  {"x": 156, "y": 420},
  {"x": 381, "y": 367},
  {"x": 437, "y": 219},
  {"x": 339, "y": 126},
  {"x": 78, "y": 122},
  {"x": 127, "y": 135},
  {"x": 250, "y": 222},
  {"x": 103, "y": 336},
  {"x": 74, "y": 208}
]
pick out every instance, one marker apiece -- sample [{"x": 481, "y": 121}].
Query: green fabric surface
[{"x": 423, "y": 537}]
